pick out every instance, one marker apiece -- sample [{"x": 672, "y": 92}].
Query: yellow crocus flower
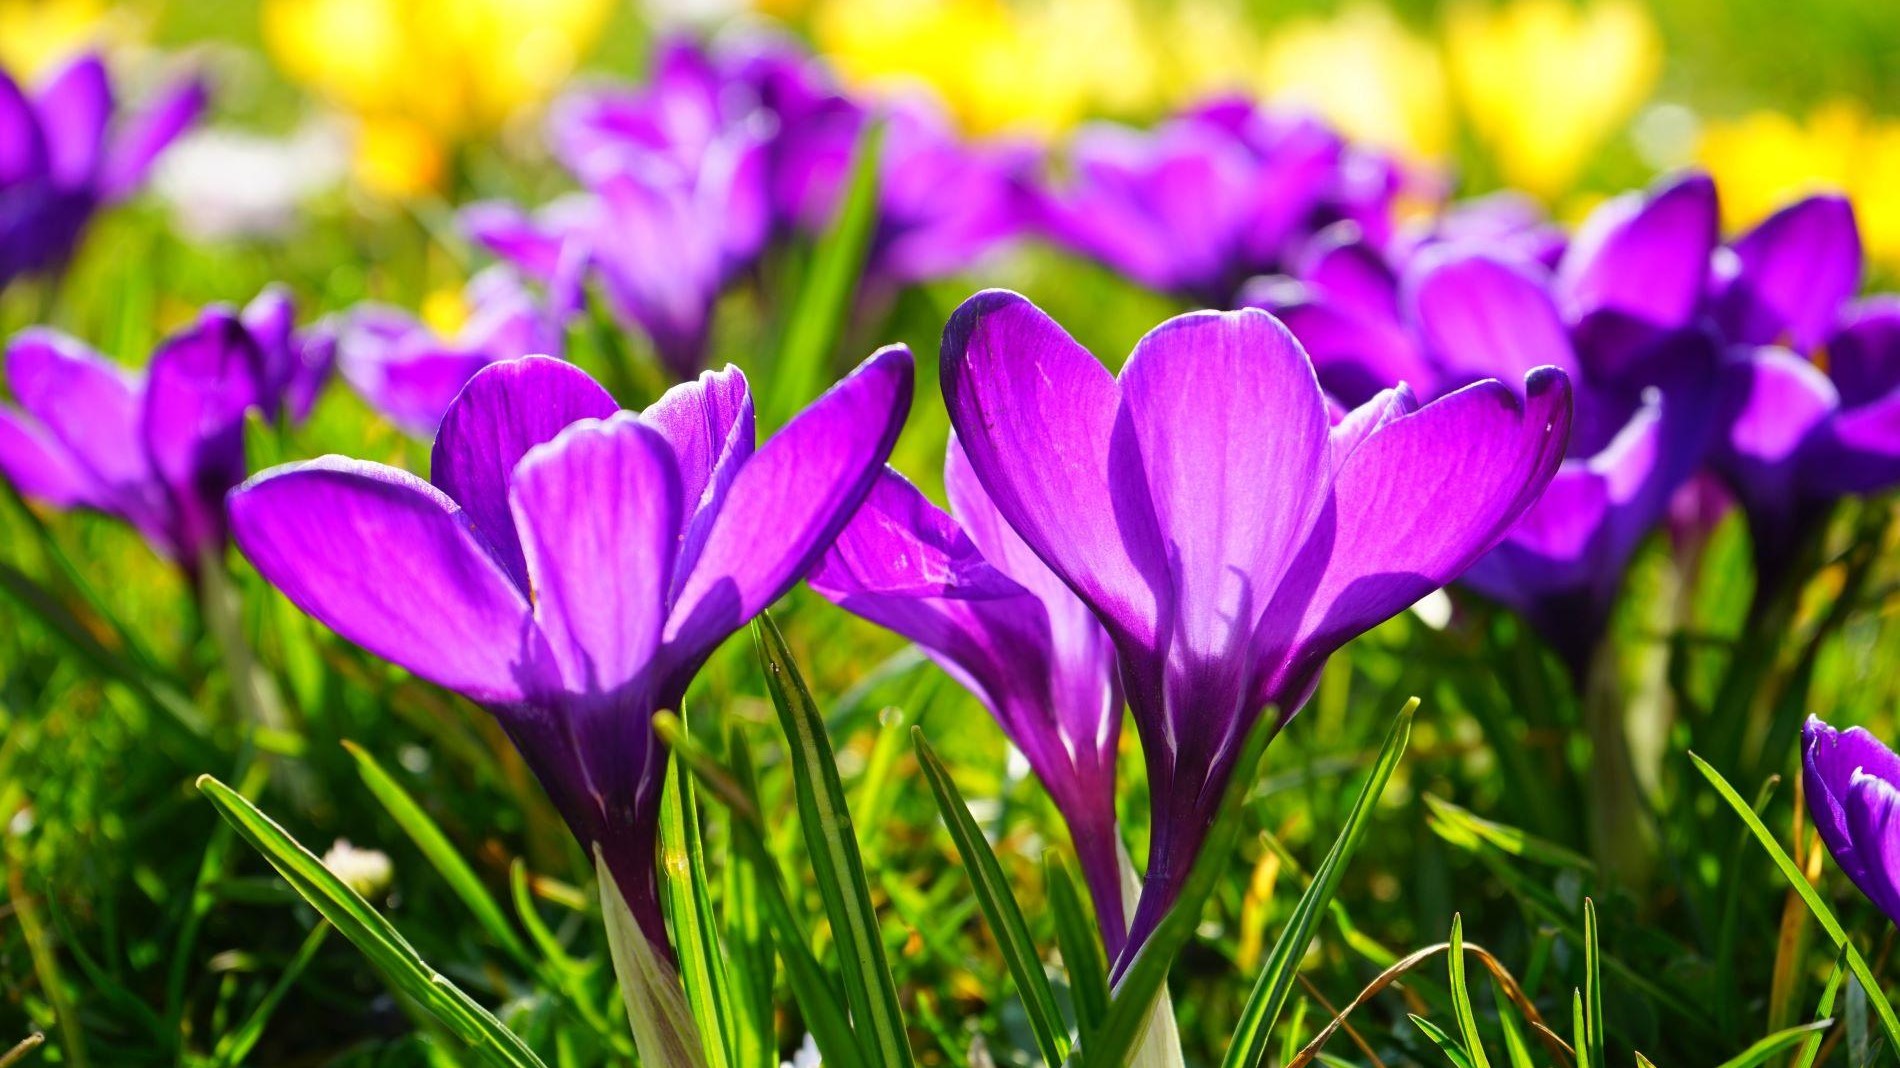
[
  {"x": 1544, "y": 82},
  {"x": 1765, "y": 159},
  {"x": 38, "y": 35},
  {"x": 1368, "y": 74},
  {"x": 423, "y": 76}
]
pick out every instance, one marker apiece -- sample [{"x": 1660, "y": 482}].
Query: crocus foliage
[{"x": 571, "y": 565}]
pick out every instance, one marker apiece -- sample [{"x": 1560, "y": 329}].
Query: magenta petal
[
  {"x": 1829, "y": 761},
  {"x": 389, "y": 562},
  {"x": 1643, "y": 256},
  {"x": 197, "y": 391},
  {"x": 1036, "y": 413},
  {"x": 74, "y": 107},
  {"x": 1792, "y": 275},
  {"x": 709, "y": 424},
  {"x": 40, "y": 467},
  {"x": 510, "y": 233},
  {"x": 22, "y": 145},
  {"x": 789, "y": 501},
  {"x": 1234, "y": 441},
  {"x": 139, "y": 140},
  {"x": 1873, "y": 821},
  {"x": 506, "y": 409},
  {"x": 1779, "y": 401},
  {"x": 1483, "y": 317},
  {"x": 85, "y": 402},
  {"x": 597, "y": 510},
  {"x": 1863, "y": 357}
]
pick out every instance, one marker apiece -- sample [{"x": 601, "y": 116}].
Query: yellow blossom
[
  {"x": 1544, "y": 82},
  {"x": 38, "y": 35},
  {"x": 1368, "y": 74},
  {"x": 1765, "y": 159},
  {"x": 425, "y": 75}
]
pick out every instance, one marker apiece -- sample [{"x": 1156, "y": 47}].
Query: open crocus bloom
[
  {"x": 1853, "y": 787},
  {"x": 161, "y": 449},
  {"x": 570, "y": 565},
  {"x": 64, "y": 154},
  {"x": 1226, "y": 534},
  {"x": 982, "y": 605},
  {"x": 411, "y": 375},
  {"x": 1812, "y": 385}
]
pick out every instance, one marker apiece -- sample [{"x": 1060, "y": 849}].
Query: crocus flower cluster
[
  {"x": 410, "y": 373},
  {"x": 158, "y": 450},
  {"x": 687, "y": 178},
  {"x": 1852, "y": 783},
  {"x": 67, "y": 150},
  {"x": 570, "y": 565},
  {"x": 1212, "y": 197},
  {"x": 1688, "y": 354}
]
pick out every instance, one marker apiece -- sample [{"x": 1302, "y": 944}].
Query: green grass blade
[
  {"x": 1592, "y": 990},
  {"x": 1811, "y": 1046},
  {"x": 1081, "y": 946},
  {"x": 999, "y": 905},
  {"x": 1824, "y": 915},
  {"x": 440, "y": 852},
  {"x": 1470, "y": 831},
  {"x": 1140, "y": 987},
  {"x": 832, "y": 844},
  {"x": 749, "y": 936},
  {"x": 1517, "y": 1052},
  {"x": 1461, "y": 996},
  {"x": 1764, "y": 1048},
  {"x": 371, "y": 933},
  {"x": 830, "y": 285},
  {"x": 1446, "y": 1044},
  {"x": 694, "y": 928},
  {"x": 1248, "y": 1048},
  {"x": 236, "y": 1045}
]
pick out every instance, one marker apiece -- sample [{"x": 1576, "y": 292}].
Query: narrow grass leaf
[
  {"x": 1081, "y": 946},
  {"x": 1811, "y": 1046},
  {"x": 1461, "y": 996},
  {"x": 1592, "y": 989},
  {"x": 694, "y": 928},
  {"x": 1446, "y": 1044},
  {"x": 1762, "y": 1049}
]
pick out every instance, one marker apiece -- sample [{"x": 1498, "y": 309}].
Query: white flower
[
  {"x": 806, "y": 1057},
  {"x": 366, "y": 871},
  {"x": 223, "y": 183}
]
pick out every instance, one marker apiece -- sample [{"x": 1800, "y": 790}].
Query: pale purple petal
[
  {"x": 1792, "y": 274},
  {"x": 512, "y": 234},
  {"x": 85, "y": 402},
  {"x": 389, "y": 562},
  {"x": 1778, "y": 401},
  {"x": 40, "y": 467},
  {"x": 140, "y": 138},
  {"x": 75, "y": 106},
  {"x": 801, "y": 487},
  {"x": 709, "y": 425},
  {"x": 22, "y": 145},
  {"x": 1482, "y": 317},
  {"x": 598, "y": 513},
  {"x": 1643, "y": 256},
  {"x": 506, "y": 409}
]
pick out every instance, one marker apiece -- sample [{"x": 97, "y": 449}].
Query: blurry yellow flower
[
  {"x": 1544, "y": 82},
  {"x": 1766, "y": 159},
  {"x": 37, "y": 35},
  {"x": 436, "y": 71},
  {"x": 445, "y": 311},
  {"x": 1368, "y": 74}
]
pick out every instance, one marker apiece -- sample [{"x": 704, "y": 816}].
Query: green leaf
[
  {"x": 694, "y": 927},
  {"x": 236, "y": 1045},
  {"x": 1081, "y": 945},
  {"x": 1824, "y": 915},
  {"x": 824, "y": 301},
  {"x": 371, "y": 933},
  {"x": 662, "y": 1023},
  {"x": 1592, "y": 990},
  {"x": 999, "y": 905},
  {"x": 1461, "y": 996},
  {"x": 440, "y": 852},
  {"x": 1811, "y": 1047},
  {"x": 1471, "y": 832},
  {"x": 1446, "y": 1044},
  {"x": 1248, "y": 1048},
  {"x": 1762, "y": 1049},
  {"x": 833, "y": 848}
]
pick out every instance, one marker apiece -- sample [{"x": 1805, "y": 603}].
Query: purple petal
[
  {"x": 1351, "y": 273},
  {"x": 22, "y": 144},
  {"x": 506, "y": 409},
  {"x": 1234, "y": 441},
  {"x": 1873, "y": 821},
  {"x": 140, "y": 139},
  {"x": 801, "y": 487},
  {"x": 1356, "y": 356},
  {"x": 74, "y": 107},
  {"x": 1863, "y": 357},
  {"x": 40, "y": 467},
  {"x": 1422, "y": 496},
  {"x": 85, "y": 402},
  {"x": 1483, "y": 317},
  {"x": 1829, "y": 761},
  {"x": 389, "y": 562},
  {"x": 709, "y": 424},
  {"x": 1791, "y": 275},
  {"x": 197, "y": 391},
  {"x": 1035, "y": 413},
  {"x": 1643, "y": 256},
  {"x": 1778, "y": 401},
  {"x": 510, "y": 233},
  {"x": 598, "y": 512}
]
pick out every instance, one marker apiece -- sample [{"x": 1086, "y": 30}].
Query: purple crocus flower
[
  {"x": 1853, "y": 787},
  {"x": 1199, "y": 204},
  {"x": 160, "y": 449},
  {"x": 570, "y": 565},
  {"x": 1226, "y": 534},
  {"x": 64, "y": 154},
  {"x": 968, "y": 590},
  {"x": 410, "y": 375},
  {"x": 1800, "y": 434}
]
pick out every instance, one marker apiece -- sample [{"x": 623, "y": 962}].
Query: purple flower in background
[
  {"x": 64, "y": 154},
  {"x": 1853, "y": 787},
  {"x": 570, "y": 565},
  {"x": 967, "y": 589},
  {"x": 1199, "y": 204},
  {"x": 1812, "y": 390},
  {"x": 410, "y": 374},
  {"x": 1227, "y": 535},
  {"x": 161, "y": 449}
]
